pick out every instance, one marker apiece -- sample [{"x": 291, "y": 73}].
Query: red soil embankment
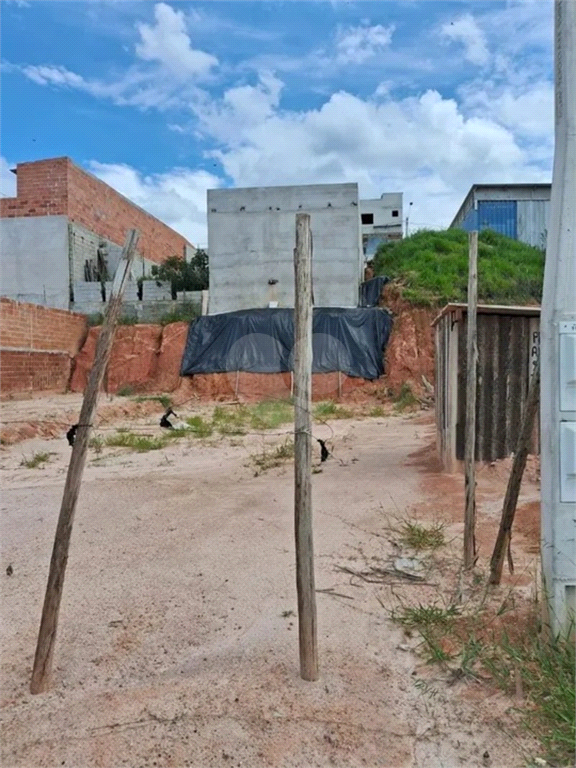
[{"x": 146, "y": 359}]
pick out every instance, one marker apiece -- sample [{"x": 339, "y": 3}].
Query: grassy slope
[{"x": 433, "y": 268}]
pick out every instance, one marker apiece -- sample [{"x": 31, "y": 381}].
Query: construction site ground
[{"x": 178, "y": 637}]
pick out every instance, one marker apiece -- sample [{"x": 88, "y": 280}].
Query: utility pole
[
  {"x": 408, "y": 218},
  {"x": 558, "y": 340}
]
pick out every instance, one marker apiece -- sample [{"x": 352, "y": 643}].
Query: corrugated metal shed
[
  {"x": 532, "y": 218},
  {"x": 508, "y": 348},
  {"x": 519, "y": 211}
]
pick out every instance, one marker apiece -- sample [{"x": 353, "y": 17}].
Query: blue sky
[{"x": 166, "y": 99}]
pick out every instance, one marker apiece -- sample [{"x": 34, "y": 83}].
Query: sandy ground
[{"x": 178, "y": 642}]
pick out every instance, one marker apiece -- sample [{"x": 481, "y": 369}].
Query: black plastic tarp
[
  {"x": 370, "y": 291},
  {"x": 261, "y": 341}
]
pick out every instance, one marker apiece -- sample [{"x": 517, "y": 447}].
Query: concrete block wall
[
  {"x": 251, "y": 238},
  {"x": 37, "y": 346},
  {"x": 156, "y": 290},
  {"x": 87, "y": 293}
]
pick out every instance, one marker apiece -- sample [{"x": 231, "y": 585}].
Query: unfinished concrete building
[
  {"x": 62, "y": 236},
  {"x": 381, "y": 221},
  {"x": 251, "y": 237}
]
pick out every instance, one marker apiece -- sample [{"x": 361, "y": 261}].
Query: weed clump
[
  {"x": 275, "y": 458},
  {"x": 138, "y": 443},
  {"x": 37, "y": 460},
  {"x": 421, "y": 537},
  {"x": 406, "y": 398},
  {"x": 330, "y": 410}
]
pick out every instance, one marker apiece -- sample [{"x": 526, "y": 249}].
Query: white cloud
[
  {"x": 465, "y": 30},
  {"x": 424, "y": 146},
  {"x": 50, "y": 75},
  {"x": 169, "y": 43},
  {"x": 7, "y": 179},
  {"x": 239, "y": 110},
  {"x": 355, "y": 45},
  {"x": 528, "y": 111},
  {"x": 498, "y": 126},
  {"x": 177, "y": 197},
  {"x": 168, "y": 80}
]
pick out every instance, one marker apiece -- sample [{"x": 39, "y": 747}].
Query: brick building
[{"x": 64, "y": 224}]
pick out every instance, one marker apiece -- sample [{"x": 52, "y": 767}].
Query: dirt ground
[{"x": 178, "y": 641}]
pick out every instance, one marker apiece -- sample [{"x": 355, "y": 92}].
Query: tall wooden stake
[
  {"x": 515, "y": 480},
  {"x": 49, "y": 622},
  {"x": 470, "y": 434},
  {"x": 303, "y": 449}
]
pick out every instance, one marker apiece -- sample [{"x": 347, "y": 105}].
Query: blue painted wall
[{"x": 499, "y": 215}]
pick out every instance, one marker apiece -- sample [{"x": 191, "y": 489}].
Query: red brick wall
[
  {"x": 37, "y": 345},
  {"x": 42, "y": 190},
  {"x": 98, "y": 207},
  {"x": 58, "y": 187},
  {"x": 34, "y": 371}
]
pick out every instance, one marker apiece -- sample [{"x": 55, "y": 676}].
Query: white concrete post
[{"x": 558, "y": 340}]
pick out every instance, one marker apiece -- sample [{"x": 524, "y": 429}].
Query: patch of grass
[
  {"x": 138, "y": 443},
  {"x": 36, "y": 460},
  {"x": 164, "y": 400},
  {"x": 526, "y": 659},
  {"x": 125, "y": 391},
  {"x": 200, "y": 427},
  {"x": 330, "y": 410},
  {"x": 128, "y": 320},
  {"x": 432, "y": 268},
  {"x": 378, "y": 410},
  {"x": 546, "y": 667},
  {"x": 421, "y": 537},
  {"x": 230, "y": 422},
  {"x": 271, "y": 414},
  {"x": 275, "y": 458},
  {"x": 405, "y": 398},
  {"x": 184, "y": 313}
]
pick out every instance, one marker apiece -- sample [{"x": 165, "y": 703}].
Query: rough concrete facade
[
  {"x": 251, "y": 238},
  {"x": 35, "y": 260},
  {"x": 37, "y": 346}
]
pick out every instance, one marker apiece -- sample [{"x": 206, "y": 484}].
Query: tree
[{"x": 183, "y": 275}]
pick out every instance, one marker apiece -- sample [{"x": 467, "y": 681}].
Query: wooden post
[
  {"x": 470, "y": 434},
  {"x": 49, "y": 623},
  {"x": 515, "y": 480},
  {"x": 303, "y": 450}
]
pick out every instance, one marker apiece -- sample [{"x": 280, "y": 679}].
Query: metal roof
[{"x": 490, "y": 309}]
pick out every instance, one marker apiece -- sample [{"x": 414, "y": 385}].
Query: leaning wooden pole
[
  {"x": 515, "y": 480},
  {"x": 41, "y": 672},
  {"x": 470, "y": 428},
  {"x": 303, "y": 450}
]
